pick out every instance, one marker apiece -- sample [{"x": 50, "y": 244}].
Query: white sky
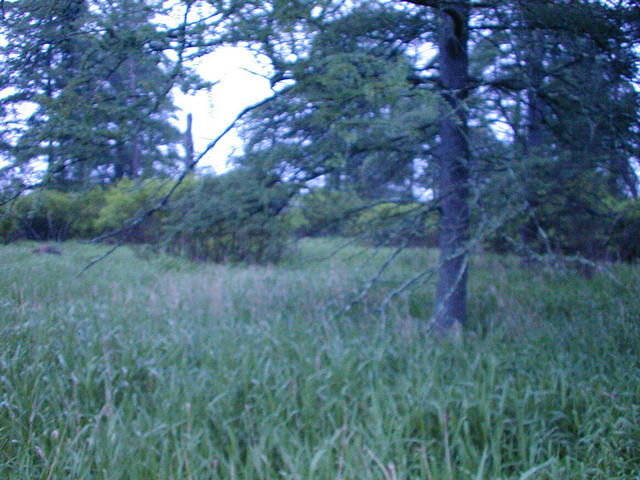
[{"x": 214, "y": 110}]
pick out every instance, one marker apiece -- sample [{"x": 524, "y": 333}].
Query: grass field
[{"x": 147, "y": 367}]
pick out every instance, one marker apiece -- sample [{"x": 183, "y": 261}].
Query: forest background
[{"x": 519, "y": 135}]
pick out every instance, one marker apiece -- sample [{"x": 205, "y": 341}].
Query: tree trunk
[
  {"x": 535, "y": 76},
  {"x": 451, "y": 294},
  {"x": 533, "y": 54},
  {"x": 188, "y": 140},
  {"x": 135, "y": 163}
]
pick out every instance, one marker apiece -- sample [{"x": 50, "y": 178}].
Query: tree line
[{"x": 513, "y": 124}]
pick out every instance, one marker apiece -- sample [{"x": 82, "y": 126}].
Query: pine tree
[
  {"x": 98, "y": 83},
  {"x": 351, "y": 117},
  {"x": 552, "y": 71}
]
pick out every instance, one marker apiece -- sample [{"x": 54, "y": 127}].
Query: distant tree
[
  {"x": 40, "y": 59},
  {"x": 564, "y": 82},
  {"x": 94, "y": 80}
]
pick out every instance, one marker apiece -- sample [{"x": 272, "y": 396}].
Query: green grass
[{"x": 160, "y": 369}]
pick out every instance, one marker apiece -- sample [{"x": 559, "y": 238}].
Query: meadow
[{"x": 150, "y": 367}]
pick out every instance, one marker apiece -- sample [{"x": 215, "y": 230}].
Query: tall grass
[{"x": 160, "y": 369}]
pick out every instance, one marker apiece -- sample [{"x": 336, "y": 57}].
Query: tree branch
[
  {"x": 162, "y": 202},
  {"x": 425, "y": 3}
]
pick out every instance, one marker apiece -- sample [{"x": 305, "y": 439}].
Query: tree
[
  {"x": 274, "y": 37},
  {"x": 520, "y": 63},
  {"x": 454, "y": 158},
  {"x": 357, "y": 105},
  {"x": 565, "y": 85},
  {"x": 40, "y": 59},
  {"x": 96, "y": 81},
  {"x": 351, "y": 116}
]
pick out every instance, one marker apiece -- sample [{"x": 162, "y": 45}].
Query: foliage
[
  {"x": 51, "y": 215},
  {"x": 8, "y": 224},
  {"x": 87, "y": 211},
  {"x": 324, "y": 212},
  {"x": 86, "y": 89},
  {"x": 624, "y": 243},
  {"x": 571, "y": 110},
  {"x": 536, "y": 97},
  {"x": 234, "y": 217},
  {"x": 538, "y": 93},
  {"x": 127, "y": 201},
  {"x": 349, "y": 114},
  {"x": 388, "y": 223},
  {"x": 174, "y": 370},
  {"x": 576, "y": 215}
]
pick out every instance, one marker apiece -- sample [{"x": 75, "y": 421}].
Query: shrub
[
  {"x": 235, "y": 217},
  {"x": 8, "y": 223},
  {"x": 324, "y": 212},
  {"x": 87, "y": 211},
  {"x": 128, "y": 200},
  {"x": 50, "y": 215},
  {"x": 624, "y": 243},
  {"x": 47, "y": 215}
]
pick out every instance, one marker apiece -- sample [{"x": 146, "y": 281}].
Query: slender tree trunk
[
  {"x": 535, "y": 76},
  {"x": 534, "y": 52},
  {"x": 451, "y": 294},
  {"x": 51, "y": 153},
  {"x": 188, "y": 140},
  {"x": 120, "y": 164},
  {"x": 134, "y": 157}
]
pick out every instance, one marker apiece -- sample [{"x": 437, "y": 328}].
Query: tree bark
[{"x": 451, "y": 294}]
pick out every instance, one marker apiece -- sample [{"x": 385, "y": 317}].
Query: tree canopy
[{"x": 86, "y": 89}]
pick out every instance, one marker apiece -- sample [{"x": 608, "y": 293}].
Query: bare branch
[{"x": 99, "y": 259}]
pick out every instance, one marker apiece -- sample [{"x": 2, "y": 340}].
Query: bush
[
  {"x": 88, "y": 206},
  {"x": 324, "y": 212},
  {"x": 51, "y": 215},
  {"x": 129, "y": 199},
  {"x": 233, "y": 217},
  {"x": 607, "y": 230},
  {"x": 8, "y": 224},
  {"x": 236, "y": 217},
  {"x": 625, "y": 238}
]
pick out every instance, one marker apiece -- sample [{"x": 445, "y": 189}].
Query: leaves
[{"x": 100, "y": 84}]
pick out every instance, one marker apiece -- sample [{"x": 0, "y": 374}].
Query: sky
[{"x": 240, "y": 84}]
